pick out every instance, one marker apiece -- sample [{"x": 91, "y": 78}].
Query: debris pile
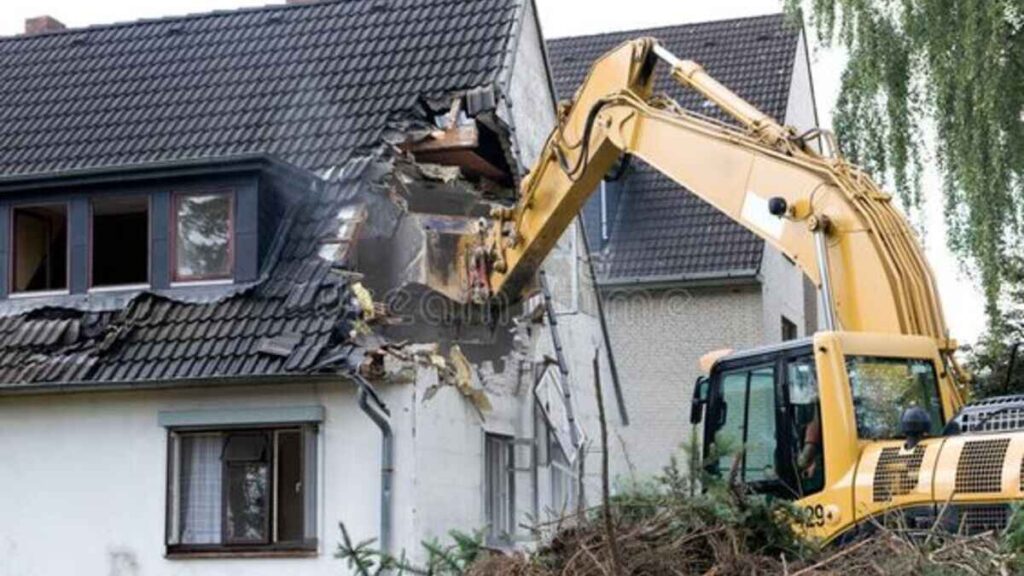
[{"x": 675, "y": 529}]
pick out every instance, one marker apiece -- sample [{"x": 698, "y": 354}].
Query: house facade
[
  {"x": 678, "y": 278},
  {"x": 215, "y": 339}
]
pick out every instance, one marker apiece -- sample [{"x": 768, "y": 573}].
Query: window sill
[
  {"x": 213, "y": 282},
  {"x": 119, "y": 288},
  {"x": 186, "y": 553},
  {"x": 38, "y": 294}
]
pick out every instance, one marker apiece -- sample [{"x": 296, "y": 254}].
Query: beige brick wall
[{"x": 658, "y": 336}]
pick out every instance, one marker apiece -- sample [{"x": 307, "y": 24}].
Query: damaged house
[
  {"x": 216, "y": 337},
  {"x": 679, "y": 278}
]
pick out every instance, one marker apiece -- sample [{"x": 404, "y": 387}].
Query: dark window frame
[
  {"x": 176, "y": 278},
  {"x": 12, "y": 291},
  {"x": 789, "y": 329},
  {"x": 747, "y": 369},
  {"x": 308, "y": 546},
  {"x": 91, "y": 243}
]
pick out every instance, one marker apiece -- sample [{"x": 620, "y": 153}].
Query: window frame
[
  {"x": 12, "y": 292},
  {"x": 91, "y": 286},
  {"x": 747, "y": 369},
  {"x": 504, "y": 535},
  {"x": 179, "y": 280},
  {"x": 308, "y": 546}
]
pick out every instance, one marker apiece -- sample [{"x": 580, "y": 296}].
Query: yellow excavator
[{"x": 864, "y": 421}]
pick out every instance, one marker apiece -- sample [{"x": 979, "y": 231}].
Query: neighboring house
[
  {"x": 679, "y": 278},
  {"x": 214, "y": 342}
]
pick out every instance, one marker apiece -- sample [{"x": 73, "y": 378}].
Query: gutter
[
  {"x": 380, "y": 416},
  {"x": 699, "y": 279},
  {"x": 44, "y": 388},
  {"x": 120, "y": 173}
]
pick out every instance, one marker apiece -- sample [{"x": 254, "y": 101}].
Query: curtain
[{"x": 201, "y": 488}]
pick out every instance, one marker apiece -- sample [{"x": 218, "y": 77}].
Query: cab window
[
  {"x": 884, "y": 387},
  {"x": 805, "y": 440},
  {"x": 746, "y": 431}
]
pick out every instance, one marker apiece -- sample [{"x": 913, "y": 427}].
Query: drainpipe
[{"x": 382, "y": 418}]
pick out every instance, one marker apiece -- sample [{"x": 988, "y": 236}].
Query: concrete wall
[{"x": 530, "y": 99}]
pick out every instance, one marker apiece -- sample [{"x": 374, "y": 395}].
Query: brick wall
[{"x": 658, "y": 337}]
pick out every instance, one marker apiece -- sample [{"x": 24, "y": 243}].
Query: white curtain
[{"x": 201, "y": 488}]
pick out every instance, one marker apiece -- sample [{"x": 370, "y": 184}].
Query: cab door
[
  {"x": 764, "y": 425},
  {"x": 741, "y": 441}
]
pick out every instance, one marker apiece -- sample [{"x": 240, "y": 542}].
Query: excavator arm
[{"x": 825, "y": 214}]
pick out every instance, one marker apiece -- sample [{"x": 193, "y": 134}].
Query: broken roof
[
  {"x": 300, "y": 314},
  {"x": 309, "y": 83},
  {"x": 661, "y": 231},
  {"x": 317, "y": 86}
]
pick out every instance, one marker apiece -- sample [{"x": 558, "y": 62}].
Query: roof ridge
[
  {"x": 644, "y": 31},
  {"x": 178, "y": 17}
]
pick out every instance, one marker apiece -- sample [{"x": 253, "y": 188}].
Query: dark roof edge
[
  {"x": 647, "y": 31},
  {"x": 146, "y": 171},
  {"x": 695, "y": 280},
  {"x": 46, "y": 388}
]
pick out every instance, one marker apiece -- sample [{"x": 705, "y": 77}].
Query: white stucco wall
[
  {"x": 83, "y": 480},
  {"x": 800, "y": 108}
]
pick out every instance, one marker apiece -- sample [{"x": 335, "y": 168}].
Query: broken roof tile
[{"x": 318, "y": 85}]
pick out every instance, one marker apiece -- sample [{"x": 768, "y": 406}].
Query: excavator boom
[{"x": 825, "y": 214}]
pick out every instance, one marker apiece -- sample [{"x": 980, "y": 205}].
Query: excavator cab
[
  {"x": 762, "y": 420},
  {"x": 800, "y": 420}
]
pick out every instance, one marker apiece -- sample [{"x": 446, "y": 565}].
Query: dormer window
[
  {"x": 40, "y": 248},
  {"x": 119, "y": 243},
  {"x": 203, "y": 245}
]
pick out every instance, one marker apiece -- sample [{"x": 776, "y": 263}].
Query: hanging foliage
[{"x": 956, "y": 66}]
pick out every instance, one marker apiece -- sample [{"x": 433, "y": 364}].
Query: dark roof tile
[{"x": 308, "y": 83}]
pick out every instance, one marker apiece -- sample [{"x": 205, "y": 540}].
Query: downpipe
[{"x": 380, "y": 416}]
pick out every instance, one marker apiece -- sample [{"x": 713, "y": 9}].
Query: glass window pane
[
  {"x": 120, "y": 241},
  {"x": 761, "y": 443},
  {"x": 884, "y": 387},
  {"x": 499, "y": 463},
  {"x": 247, "y": 502},
  {"x": 729, "y": 438},
  {"x": 40, "y": 238},
  {"x": 202, "y": 236},
  {"x": 200, "y": 491},
  {"x": 246, "y": 447},
  {"x": 290, "y": 496}
]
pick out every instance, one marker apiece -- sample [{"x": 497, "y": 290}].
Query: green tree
[{"x": 957, "y": 65}]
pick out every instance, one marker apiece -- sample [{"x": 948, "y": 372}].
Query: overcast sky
[{"x": 963, "y": 303}]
